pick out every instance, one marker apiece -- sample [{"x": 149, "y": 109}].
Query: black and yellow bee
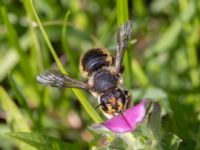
[{"x": 104, "y": 74}]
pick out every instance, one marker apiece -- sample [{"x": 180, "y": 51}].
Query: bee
[{"x": 103, "y": 73}]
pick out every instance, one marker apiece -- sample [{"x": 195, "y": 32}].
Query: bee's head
[{"x": 114, "y": 101}]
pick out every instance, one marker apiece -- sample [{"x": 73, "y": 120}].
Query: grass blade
[
  {"x": 42, "y": 142},
  {"x": 8, "y": 62},
  {"x": 90, "y": 110},
  {"x": 64, "y": 41},
  {"x": 139, "y": 74},
  {"x": 14, "y": 117},
  {"x": 19, "y": 95},
  {"x": 122, "y": 17},
  {"x": 13, "y": 38}
]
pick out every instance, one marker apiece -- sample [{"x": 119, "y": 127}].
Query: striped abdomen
[{"x": 95, "y": 59}]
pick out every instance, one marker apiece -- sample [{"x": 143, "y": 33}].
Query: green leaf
[
  {"x": 11, "y": 32},
  {"x": 158, "y": 6},
  {"x": 65, "y": 46},
  {"x": 100, "y": 142},
  {"x": 14, "y": 40},
  {"x": 190, "y": 144},
  {"x": 8, "y": 61},
  {"x": 153, "y": 93},
  {"x": 170, "y": 141},
  {"x": 139, "y": 73},
  {"x": 6, "y": 143},
  {"x": 19, "y": 94},
  {"x": 169, "y": 38},
  {"x": 14, "y": 117},
  {"x": 43, "y": 142},
  {"x": 122, "y": 11},
  {"x": 139, "y": 7},
  {"x": 155, "y": 119},
  {"x": 118, "y": 143}
]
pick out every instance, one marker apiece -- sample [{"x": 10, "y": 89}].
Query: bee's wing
[
  {"x": 56, "y": 79},
  {"x": 123, "y": 36}
]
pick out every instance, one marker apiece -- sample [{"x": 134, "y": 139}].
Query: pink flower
[{"x": 127, "y": 121}]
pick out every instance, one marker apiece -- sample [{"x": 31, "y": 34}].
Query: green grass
[
  {"x": 92, "y": 113},
  {"x": 163, "y": 64}
]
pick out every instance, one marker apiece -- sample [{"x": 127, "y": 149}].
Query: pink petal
[{"x": 129, "y": 120}]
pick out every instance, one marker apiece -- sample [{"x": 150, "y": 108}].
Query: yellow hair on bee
[{"x": 120, "y": 105}]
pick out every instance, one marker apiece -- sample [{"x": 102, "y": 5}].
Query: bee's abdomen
[
  {"x": 103, "y": 81},
  {"x": 94, "y": 60}
]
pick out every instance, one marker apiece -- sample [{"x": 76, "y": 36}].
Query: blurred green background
[{"x": 163, "y": 63}]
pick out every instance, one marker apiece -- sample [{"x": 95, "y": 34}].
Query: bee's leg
[
  {"x": 128, "y": 99},
  {"x": 121, "y": 69},
  {"x": 113, "y": 60},
  {"x": 119, "y": 73}
]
